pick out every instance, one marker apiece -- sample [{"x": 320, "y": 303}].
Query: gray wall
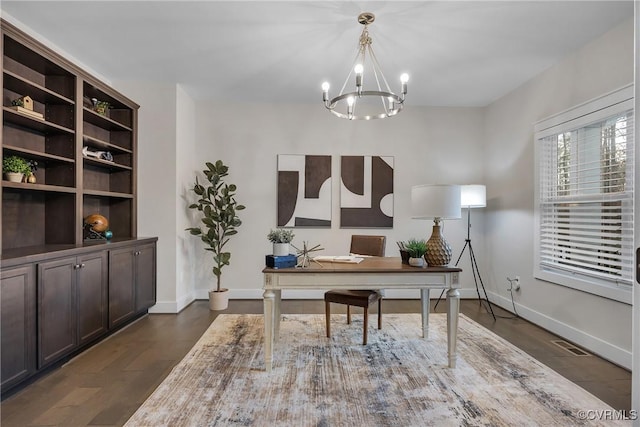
[{"x": 600, "y": 324}]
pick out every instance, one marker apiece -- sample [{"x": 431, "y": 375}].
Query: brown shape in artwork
[
  {"x": 352, "y": 173},
  {"x": 381, "y": 185},
  {"x": 288, "y": 182},
  {"x": 317, "y": 170}
]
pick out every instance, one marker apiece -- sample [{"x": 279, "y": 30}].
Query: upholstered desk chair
[{"x": 360, "y": 245}]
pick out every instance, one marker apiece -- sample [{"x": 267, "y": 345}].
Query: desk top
[{"x": 368, "y": 265}]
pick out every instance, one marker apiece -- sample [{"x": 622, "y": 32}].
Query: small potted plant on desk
[
  {"x": 281, "y": 239},
  {"x": 15, "y": 168},
  {"x": 219, "y": 208},
  {"x": 416, "y": 250}
]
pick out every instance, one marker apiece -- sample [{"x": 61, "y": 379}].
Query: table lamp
[{"x": 436, "y": 202}]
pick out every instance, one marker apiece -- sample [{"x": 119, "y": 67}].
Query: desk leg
[
  {"x": 424, "y": 300},
  {"x": 453, "y": 309},
  {"x": 278, "y": 312},
  {"x": 269, "y": 297}
]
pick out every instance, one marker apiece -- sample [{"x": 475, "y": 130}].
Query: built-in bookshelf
[{"x": 86, "y": 158}]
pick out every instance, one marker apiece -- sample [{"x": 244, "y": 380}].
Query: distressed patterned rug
[{"x": 398, "y": 379}]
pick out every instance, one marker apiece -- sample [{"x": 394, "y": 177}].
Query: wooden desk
[{"x": 372, "y": 273}]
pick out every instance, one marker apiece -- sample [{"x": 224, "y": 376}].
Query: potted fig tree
[{"x": 218, "y": 207}]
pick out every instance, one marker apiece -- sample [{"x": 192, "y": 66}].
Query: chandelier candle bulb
[{"x": 325, "y": 92}]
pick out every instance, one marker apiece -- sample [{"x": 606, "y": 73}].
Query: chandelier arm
[
  {"x": 377, "y": 64},
  {"x": 375, "y": 75},
  {"x": 355, "y": 61}
]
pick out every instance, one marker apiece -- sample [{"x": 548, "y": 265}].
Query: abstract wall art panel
[
  {"x": 304, "y": 191},
  {"x": 366, "y": 192}
]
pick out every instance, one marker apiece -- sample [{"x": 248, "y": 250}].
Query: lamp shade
[
  {"x": 473, "y": 196},
  {"x": 430, "y": 201}
]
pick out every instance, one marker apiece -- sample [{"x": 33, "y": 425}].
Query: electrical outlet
[{"x": 516, "y": 283}]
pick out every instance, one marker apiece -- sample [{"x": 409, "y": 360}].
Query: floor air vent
[{"x": 571, "y": 348}]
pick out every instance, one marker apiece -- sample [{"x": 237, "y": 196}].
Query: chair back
[{"x": 368, "y": 245}]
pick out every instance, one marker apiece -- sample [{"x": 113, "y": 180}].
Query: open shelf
[
  {"x": 21, "y": 85},
  {"x": 68, "y": 185}
]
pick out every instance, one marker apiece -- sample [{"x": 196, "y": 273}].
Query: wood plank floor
[{"x": 106, "y": 384}]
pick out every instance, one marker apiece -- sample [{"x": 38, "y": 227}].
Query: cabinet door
[
  {"x": 145, "y": 277},
  {"x": 121, "y": 285},
  {"x": 92, "y": 296},
  {"x": 57, "y": 331},
  {"x": 18, "y": 324}
]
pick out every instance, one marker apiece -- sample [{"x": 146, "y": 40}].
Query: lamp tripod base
[{"x": 476, "y": 278}]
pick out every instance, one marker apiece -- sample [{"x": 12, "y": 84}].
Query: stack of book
[
  {"x": 27, "y": 112},
  {"x": 281, "y": 261}
]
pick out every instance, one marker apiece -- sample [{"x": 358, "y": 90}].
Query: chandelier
[{"x": 361, "y": 104}]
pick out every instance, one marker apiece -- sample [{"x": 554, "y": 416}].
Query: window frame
[{"x": 592, "y": 111}]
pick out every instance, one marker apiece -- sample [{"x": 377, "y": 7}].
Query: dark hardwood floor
[{"x": 106, "y": 384}]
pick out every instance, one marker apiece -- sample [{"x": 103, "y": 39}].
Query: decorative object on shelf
[
  {"x": 416, "y": 250},
  {"x": 303, "y": 254},
  {"x": 372, "y": 102},
  {"x": 280, "y": 239},
  {"x": 101, "y": 155},
  {"x": 25, "y": 102},
  {"x": 15, "y": 168},
  {"x": 96, "y": 227},
  {"x": 31, "y": 176},
  {"x": 436, "y": 202},
  {"x": 310, "y": 207},
  {"x": 218, "y": 206},
  {"x": 366, "y": 191},
  {"x": 24, "y": 105},
  {"x": 100, "y": 107}
]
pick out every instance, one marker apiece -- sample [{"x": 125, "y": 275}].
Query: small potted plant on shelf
[
  {"x": 218, "y": 206},
  {"x": 15, "y": 168},
  {"x": 281, "y": 239},
  {"x": 416, "y": 250}
]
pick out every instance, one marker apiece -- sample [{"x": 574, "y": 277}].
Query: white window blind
[{"x": 585, "y": 198}]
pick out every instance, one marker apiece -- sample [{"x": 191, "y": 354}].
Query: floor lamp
[{"x": 473, "y": 196}]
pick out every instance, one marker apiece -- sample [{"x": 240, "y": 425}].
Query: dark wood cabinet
[
  {"x": 145, "y": 278},
  {"x": 93, "y": 304},
  {"x": 56, "y": 304},
  {"x": 61, "y": 291},
  {"x": 72, "y": 304},
  {"x": 122, "y": 304},
  {"x": 56, "y": 310},
  {"x": 17, "y": 322},
  {"x": 132, "y": 282}
]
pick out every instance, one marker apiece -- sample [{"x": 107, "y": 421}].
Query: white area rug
[{"x": 398, "y": 379}]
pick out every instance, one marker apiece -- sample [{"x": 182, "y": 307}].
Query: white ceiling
[{"x": 457, "y": 53}]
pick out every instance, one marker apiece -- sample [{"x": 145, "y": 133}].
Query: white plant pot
[
  {"x": 280, "y": 249},
  {"x": 219, "y": 300},
  {"x": 416, "y": 262},
  {"x": 14, "y": 176}
]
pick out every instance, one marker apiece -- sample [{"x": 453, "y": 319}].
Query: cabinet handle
[
  {"x": 77, "y": 266},
  {"x": 82, "y": 265},
  {"x": 136, "y": 253}
]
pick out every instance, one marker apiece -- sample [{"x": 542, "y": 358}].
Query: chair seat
[{"x": 358, "y": 298}]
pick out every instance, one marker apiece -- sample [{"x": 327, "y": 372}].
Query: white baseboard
[
  {"x": 595, "y": 345},
  {"x": 173, "y": 307}
]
